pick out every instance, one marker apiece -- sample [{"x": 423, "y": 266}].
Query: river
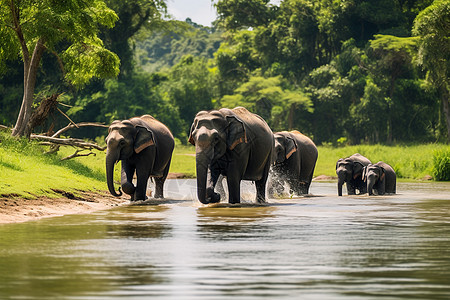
[{"x": 318, "y": 247}]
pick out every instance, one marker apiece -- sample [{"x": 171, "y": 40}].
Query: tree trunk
[{"x": 30, "y": 74}]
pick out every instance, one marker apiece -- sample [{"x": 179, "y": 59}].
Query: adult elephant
[
  {"x": 234, "y": 143},
  {"x": 349, "y": 170},
  {"x": 380, "y": 177},
  {"x": 145, "y": 146},
  {"x": 295, "y": 158}
]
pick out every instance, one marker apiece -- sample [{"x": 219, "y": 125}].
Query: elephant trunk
[
  {"x": 370, "y": 184},
  {"x": 202, "y": 174},
  {"x": 341, "y": 180},
  {"x": 205, "y": 184},
  {"x": 111, "y": 159}
]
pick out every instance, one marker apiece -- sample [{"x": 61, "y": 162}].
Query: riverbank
[{"x": 16, "y": 209}]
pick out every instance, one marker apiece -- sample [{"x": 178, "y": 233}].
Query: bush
[{"x": 441, "y": 165}]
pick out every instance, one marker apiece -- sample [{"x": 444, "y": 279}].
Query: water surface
[{"x": 318, "y": 247}]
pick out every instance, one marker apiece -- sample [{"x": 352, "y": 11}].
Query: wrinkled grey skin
[
  {"x": 234, "y": 143},
  {"x": 349, "y": 170},
  {"x": 295, "y": 158},
  {"x": 145, "y": 146},
  {"x": 380, "y": 178}
]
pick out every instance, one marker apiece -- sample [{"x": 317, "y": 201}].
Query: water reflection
[
  {"x": 139, "y": 222},
  {"x": 232, "y": 223},
  {"x": 325, "y": 247}
]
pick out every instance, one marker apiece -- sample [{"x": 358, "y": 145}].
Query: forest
[{"x": 343, "y": 72}]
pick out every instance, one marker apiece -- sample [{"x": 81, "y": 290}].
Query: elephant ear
[
  {"x": 339, "y": 161},
  {"x": 236, "y": 132},
  {"x": 144, "y": 138},
  {"x": 357, "y": 169},
  {"x": 383, "y": 174},
  {"x": 191, "y": 138},
  {"x": 364, "y": 174},
  {"x": 291, "y": 147}
]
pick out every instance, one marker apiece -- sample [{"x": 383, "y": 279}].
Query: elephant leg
[
  {"x": 141, "y": 188},
  {"x": 382, "y": 187},
  {"x": 159, "y": 182},
  {"x": 213, "y": 177},
  {"x": 261, "y": 184},
  {"x": 219, "y": 187},
  {"x": 307, "y": 183},
  {"x": 363, "y": 189},
  {"x": 302, "y": 188},
  {"x": 159, "y": 185},
  {"x": 126, "y": 178},
  {"x": 351, "y": 190},
  {"x": 234, "y": 189}
]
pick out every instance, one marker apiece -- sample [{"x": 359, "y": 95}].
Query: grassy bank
[{"x": 26, "y": 171}]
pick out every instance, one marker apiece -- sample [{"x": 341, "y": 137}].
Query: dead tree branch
[
  {"x": 78, "y": 125},
  {"x": 67, "y": 142},
  {"x": 77, "y": 154}
]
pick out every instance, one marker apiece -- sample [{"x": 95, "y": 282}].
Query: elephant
[
  {"x": 349, "y": 170},
  {"x": 145, "y": 146},
  {"x": 380, "y": 177},
  {"x": 295, "y": 157},
  {"x": 234, "y": 143}
]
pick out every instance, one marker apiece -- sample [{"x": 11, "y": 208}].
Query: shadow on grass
[
  {"x": 78, "y": 168},
  {"x": 11, "y": 166}
]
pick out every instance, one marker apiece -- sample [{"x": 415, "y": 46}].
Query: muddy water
[{"x": 319, "y": 247}]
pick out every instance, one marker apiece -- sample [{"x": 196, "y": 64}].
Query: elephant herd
[{"x": 237, "y": 145}]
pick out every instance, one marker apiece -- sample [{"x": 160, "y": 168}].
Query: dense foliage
[{"x": 342, "y": 72}]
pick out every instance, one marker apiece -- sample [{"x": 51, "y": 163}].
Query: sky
[{"x": 200, "y": 11}]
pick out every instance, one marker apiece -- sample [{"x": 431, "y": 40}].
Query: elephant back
[
  {"x": 250, "y": 119},
  {"x": 361, "y": 159},
  {"x": 303, "y": 140},
  {"x": 156, "y": 125}
]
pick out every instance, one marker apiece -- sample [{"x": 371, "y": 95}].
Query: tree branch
[
  {"x": 68, "y": 142},
  {"x": 77, "y": 154},
  {"x": 78, "y": 125}
]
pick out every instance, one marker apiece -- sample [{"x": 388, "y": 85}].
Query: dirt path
[{"x": 13, "y": 210}]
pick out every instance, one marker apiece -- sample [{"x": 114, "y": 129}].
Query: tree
[
  {"x": 67, "y": 29},
  {"x": 133, "y": 15},
  {"x": 267, "y": 98},
  {"x": 393, "y": 60},
  {"x": 432, "y": 26},
  {"x": 190, "y": 87},
  {"x": 237, "y": 14}
]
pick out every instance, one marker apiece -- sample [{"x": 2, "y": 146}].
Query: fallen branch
[
  {"x": 78, "y": 125},
  {"x": 77, "y": 154},
  {"x": 68, "y": 142}
]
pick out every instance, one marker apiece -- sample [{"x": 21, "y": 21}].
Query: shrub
[{"x": 441, "y": 165}]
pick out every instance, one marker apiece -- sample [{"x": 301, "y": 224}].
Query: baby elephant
[
  {"x": 380, "y": 177},
  {"x": 294, "y": 162}
]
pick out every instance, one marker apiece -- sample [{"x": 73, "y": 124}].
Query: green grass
[
  {"x": 183, "y": 161},
  {"x": 27, "y": 172}
]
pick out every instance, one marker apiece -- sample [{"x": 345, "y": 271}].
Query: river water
[{"x": 318, "y": 247}]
